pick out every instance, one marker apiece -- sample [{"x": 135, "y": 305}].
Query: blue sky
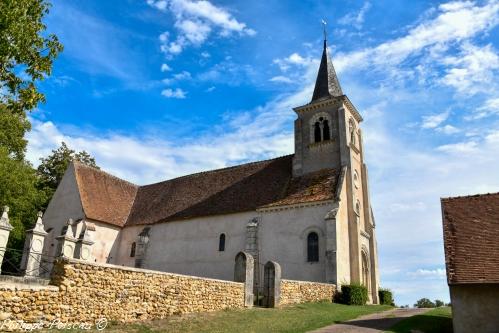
[{"x": 157, "y": 89}]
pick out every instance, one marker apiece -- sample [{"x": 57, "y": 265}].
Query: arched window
[
  {"x": 317, "y": 132},
  {"x": 221, "y": 243},
  {"x": 313, "y": 247},
  {"x": 325, "y": 130},
  {"x": 132, "y": 250}
]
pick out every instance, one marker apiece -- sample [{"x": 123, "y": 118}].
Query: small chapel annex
[{"x": 309, "y": 211}]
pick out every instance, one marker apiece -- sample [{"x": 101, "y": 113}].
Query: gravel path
[{"x": 373, "y": 323}]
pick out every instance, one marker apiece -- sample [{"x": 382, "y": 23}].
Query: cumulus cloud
[
  {"x": 281, "y": 79},
  {"x": 174, "y": 93},
  {"x": 195, "y": 21}
]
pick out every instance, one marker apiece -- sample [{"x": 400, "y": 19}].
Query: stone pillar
[
  {"x": 85, "y": 242},
  {"x": 141, "y": 249},
  {"x": 244, "y": 272},
  {"x": 252, "y": 249},
  {"x": 331, "y": 245},
  {"x": 5, "y": 229},
  {"x": 66, "y": 241},
  {"x": 33, "y": 247},
  {"x": 272, "y": 284}
]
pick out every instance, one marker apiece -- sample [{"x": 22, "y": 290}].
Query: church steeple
[{"x": 327, "y": 83}]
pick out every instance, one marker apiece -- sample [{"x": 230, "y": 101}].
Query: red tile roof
[
  {"x": 235, "y": 189},
  {"x": 104, "y": 197},
  {"x": 471, "y": 238}
]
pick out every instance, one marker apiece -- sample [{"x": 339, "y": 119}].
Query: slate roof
[
  {"x": 471, "y": 238},
  {"x": 235, "y": 189},
  {"x": 327, "y": 83}
]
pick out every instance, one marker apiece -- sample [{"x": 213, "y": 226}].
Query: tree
[
  {"x": 52, "y": 168},
  {"x": 424, "y": 303},
  {"x": 18, "y": 191},
  {"x": 439, "y": 303},
  {"x": 13, "y": 126},
  {"x": 26, "y": 52}
]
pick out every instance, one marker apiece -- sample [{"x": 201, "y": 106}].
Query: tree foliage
[
  {"x": 26, "y": 52},
  {"x": 424, "y": 303},
  {"x": 13, "y": 127},
  {"x": 18, "y": 191},
  {"x": 52, "y": 168}
]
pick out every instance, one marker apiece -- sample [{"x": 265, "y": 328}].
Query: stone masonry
[
  {"x": 294, "y": 292},
  {"x": 86, "y": 292}
]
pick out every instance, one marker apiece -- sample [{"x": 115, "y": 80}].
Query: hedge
[
  {"x": 385, "y": 297},
  {"x": 353, "y": 294}
]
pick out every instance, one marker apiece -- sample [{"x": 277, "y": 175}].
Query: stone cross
[
  {"x": 5, "y": 229},
  {"x": 33, "y": 248}
]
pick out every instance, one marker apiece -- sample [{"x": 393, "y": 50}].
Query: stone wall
[
  {"x": 84, "y": 292},
  {"x": 294, "y": 292}
]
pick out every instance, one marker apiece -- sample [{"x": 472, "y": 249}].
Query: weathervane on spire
[{"x": 324, "y": 23}]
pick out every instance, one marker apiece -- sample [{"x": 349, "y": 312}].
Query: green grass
[
  {"x": 438, "y": 320},
  {"x": 292, "y": 319}
]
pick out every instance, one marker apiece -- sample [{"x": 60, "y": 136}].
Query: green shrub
[
  {"x": 353, "y": 294},
  {"x": 385, "y": 297}
]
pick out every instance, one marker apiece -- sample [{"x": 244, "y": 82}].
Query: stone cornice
[{"x": 330, "y": 101}]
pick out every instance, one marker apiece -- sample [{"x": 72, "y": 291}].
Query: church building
[{"x": 309, "y": 211}]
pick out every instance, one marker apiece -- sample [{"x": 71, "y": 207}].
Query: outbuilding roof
[
  {"x": 241, "y": 188},
  {"x": 471, "y": 238}
]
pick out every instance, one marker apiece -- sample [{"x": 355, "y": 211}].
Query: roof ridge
[
  {"x": 80, "y": 164},
  {"x": 469, "y": 196},
  {"x": 218, "y": 170}
]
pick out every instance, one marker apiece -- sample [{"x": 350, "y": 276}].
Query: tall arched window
[
  {"x": 132, "y": 250},
  {"x": 313, "y": 247},
  {"x": 326, "y": 135},
  {"x": 221, "y": 243},
  {"x": 317, "y": 132}
]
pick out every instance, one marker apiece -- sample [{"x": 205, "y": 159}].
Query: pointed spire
[{"x": 327, "y": 83}]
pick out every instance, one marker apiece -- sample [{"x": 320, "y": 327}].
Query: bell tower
[
  {"x": 327, "y": 126},
  {"x": 328, "y": 136}
]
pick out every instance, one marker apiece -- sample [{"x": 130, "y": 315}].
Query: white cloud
[
  {"x": 459, "y": 148},
  {"x": 356, "y": 19},
  {"x": 281, "y": 79},
  {"x": 434, "y": 120},
  {"x": 210, "y": 89},
  {"x": 174, "y": 93},
  {"x": 438, "y": 273},
  {"x": 472, "y": 70},
  {"x": 294, "y": 59},
  {"x": 453, "y": 23},
  {"x": 195, "y": 21},
  {"x": 165, "y": 68},
  {"x": 489, "y": 108},
  {"x": 184, "y": 75},
  {"x": 448, "y": 129}
]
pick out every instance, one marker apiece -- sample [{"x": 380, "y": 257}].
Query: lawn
[
  {"x": 293, "y": 319},
  {"x": 438, "y": 320}
]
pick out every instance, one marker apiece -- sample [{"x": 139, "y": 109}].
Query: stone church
[{"x": 309, "y": 211}]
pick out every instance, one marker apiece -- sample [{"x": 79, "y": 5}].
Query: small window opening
[
  {"x": 221, "y": 243},
  {"x": 317, "y": 132},
  {"x": 132, "y": 250},
  {"x": 325, "y": 130}
]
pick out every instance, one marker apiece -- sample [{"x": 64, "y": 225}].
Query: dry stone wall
[
  {"x": 295, "y": 292},
  {"x": 86, "y": 292}
]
